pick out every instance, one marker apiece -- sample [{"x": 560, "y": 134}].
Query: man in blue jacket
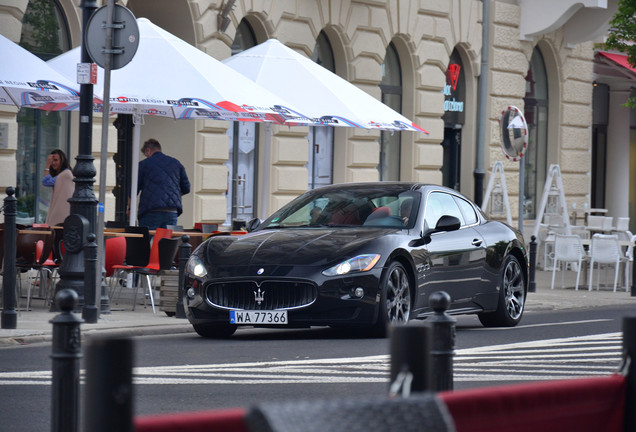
[{"x": 162, "y": 182}]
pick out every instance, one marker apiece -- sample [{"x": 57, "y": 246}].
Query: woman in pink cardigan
[{"x": 58, "y": 175}]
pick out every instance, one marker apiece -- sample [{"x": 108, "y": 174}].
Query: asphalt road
[{"x": 187, "y": 373}]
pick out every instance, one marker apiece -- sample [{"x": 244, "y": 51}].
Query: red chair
[
  {"x": 153, "y": 263},
  {"x": 167, "y": 251},
  {"x": 114, "y": 255},
  {"x": 33, "y": 252},
  {"x": 137, "y": 256}
]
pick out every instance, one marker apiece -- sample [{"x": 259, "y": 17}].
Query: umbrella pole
[
  {"x": 138, "y": 121},
  {"x": 264, "y": 207}
]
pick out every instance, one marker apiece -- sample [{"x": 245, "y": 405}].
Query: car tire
[
  {"x": 512, "y": 297},
  {"x": 214, "y": 331},
  {"x": 395, "y": 301}
]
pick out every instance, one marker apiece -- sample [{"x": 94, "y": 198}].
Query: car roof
[{"x": 390, "y": 184}]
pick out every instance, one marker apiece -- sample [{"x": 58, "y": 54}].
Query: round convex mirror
[{"x": 514, "y": 133}]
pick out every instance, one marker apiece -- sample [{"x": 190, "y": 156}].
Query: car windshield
[{"x": 394, "y": 206}]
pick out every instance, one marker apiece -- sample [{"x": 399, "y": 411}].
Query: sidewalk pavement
[{"x": 34, "y": 326}]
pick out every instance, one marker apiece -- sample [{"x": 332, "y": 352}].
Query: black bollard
[
  {"x": 66, "y": 355},
  {"x": 184, "y": 254},
  {"x": 410, "y": 358},
  {"x": 443, "y": 345},
  {"x": 109, "y": 385},
  {"x": 629, "y": 359},
  {"x": 9, "y": 315},
  {"x": 90, "y": 311},
  {"x": 532, "y": 284}
]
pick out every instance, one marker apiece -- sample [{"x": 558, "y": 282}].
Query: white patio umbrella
[
  {"x": 322, "y": 96},
  {"x": 169, "y": 77},
  {"x": 28, "y": 81}
]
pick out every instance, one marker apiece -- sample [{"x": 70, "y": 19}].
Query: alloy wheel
[
  {"x": 514, "y": 289},
  {"x": 398, "y": 296}
]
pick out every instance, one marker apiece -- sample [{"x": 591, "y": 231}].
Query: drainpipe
[{"x": 482, "y": 104}]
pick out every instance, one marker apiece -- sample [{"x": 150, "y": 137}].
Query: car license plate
[{"x": 265, "y": 317}]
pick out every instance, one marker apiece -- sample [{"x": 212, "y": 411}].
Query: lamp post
[{"x": 83, "y": 202}]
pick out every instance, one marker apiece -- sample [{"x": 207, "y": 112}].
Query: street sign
[
  {"x": 125, "y": 38},
  {"x": 87, "y": 73}
]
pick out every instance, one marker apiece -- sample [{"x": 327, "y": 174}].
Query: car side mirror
[
  {"x": 252, "y": 224},
  {"x": 447, "y": 223}
]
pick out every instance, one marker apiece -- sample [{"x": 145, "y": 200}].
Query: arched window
[
  {"x": 320, "y": 165},
  {"x": 243, "y": 148},
  {"x": 244, "y": 39},
  {"x": 536, "y": 113},
  {"x": 390, "y": 142},
  {"x": 44, "y": 33}
]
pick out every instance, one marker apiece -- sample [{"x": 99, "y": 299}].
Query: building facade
[{"x": 424, "y": 58}]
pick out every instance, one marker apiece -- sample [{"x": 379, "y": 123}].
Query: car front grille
[{"x": 272, "y": 294}]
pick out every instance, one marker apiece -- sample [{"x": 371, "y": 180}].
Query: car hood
[{"x": 291, "y": 246}]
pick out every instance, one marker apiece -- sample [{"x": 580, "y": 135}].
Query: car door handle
[{"x": 476, "y": 242}]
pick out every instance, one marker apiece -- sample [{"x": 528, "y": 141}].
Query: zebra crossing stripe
[{"x": 561, "y": 358}]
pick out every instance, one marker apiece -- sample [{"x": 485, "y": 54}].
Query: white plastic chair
[
  {"x": 622, "y": 224},
  {"x": 627, "y": 258},
  {"x": 594, "y": 224},
  {"x": 604, "y": 250},
  {"x": 568, "y": 249}
]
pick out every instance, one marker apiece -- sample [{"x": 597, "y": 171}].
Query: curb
[{"x": 87, "y": 335}]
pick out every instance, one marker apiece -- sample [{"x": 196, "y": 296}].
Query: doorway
[{"x": 451, "y": 168}]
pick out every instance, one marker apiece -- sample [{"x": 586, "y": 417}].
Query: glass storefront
[{"x": 45, "y": 34}]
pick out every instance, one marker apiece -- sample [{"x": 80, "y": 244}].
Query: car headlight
[
  {"x": 360, "y": 263},
  {"x": 196, "y": 267}
]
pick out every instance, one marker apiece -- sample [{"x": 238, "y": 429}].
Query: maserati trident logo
[
  {"x": 259, "y": 296},
  {"x": 260, "y": 271}
]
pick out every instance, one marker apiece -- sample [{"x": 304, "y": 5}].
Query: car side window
[
  {"x": 468, "y": 211},
  {"x": 439, "y": 204}
]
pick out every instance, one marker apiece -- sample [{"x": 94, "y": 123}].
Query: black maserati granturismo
[{"x": 359, "y": 255}]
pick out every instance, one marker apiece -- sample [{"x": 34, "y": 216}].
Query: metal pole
[
  {"x": 83, "y": 201},
  {"x": 66, "y": 355},
  {"x": 532, "y": 285},
  {"x": 109, "y": 385},
  {"x": 138, "y": 121},
  {"x": 629, "y": 359},
  {"x": 443, "y": 347},
  {"x": 522, "y": 197},
  {"x": 104, "y": 147},
  {"x": 482, "y": 95},
  {"x": 90, "y": 311},
  {"x": 9, "y": 315},
  {"x": 184, "y": 254},
  {"x": 410, "y": 358},
  {"x": 633, "y": 288}
]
